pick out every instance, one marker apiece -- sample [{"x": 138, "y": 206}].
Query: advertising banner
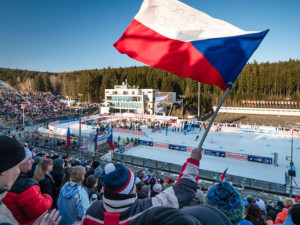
[{"x": 177, "y": 147}]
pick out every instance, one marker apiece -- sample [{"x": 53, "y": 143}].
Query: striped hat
[{"x": 117, "y": 179}]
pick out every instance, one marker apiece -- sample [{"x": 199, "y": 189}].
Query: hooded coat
[{"x": 73, "y": 202}]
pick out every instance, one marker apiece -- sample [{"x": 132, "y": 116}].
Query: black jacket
[
  {"x": 47, "y": 186},
  {"x": 58, "y": 175}
]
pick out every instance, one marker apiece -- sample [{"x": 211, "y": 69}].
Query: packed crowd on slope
[
  {"x": 40, "y": 188},
  {"x": 38, "y": 105}
]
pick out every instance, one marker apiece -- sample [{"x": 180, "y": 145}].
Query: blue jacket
[
  {"x": 72, "y": 203},
  {"x": 242, "y": 222}
]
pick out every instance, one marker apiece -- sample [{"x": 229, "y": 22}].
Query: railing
[{"x": 204, "y": 174}]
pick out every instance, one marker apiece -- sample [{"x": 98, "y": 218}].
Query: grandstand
[
  {"x": 33, "y": 106},
  {"x": 5, "y": 87},
  {"x": 290, "y": 118}
]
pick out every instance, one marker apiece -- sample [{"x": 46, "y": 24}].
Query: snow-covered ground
[{"x": 244, "y": 143}]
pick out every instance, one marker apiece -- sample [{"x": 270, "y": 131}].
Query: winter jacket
[
  {"x": 25, "y": 200},
  {"x": 72, "y": 202},
  {"x": 6, "y": 217},
  {"x": 47, "y": 186},
  {"x": 91, "y": 192},
  {"x": 118, "y": 211},
  {"x": 288, "y": 221},
  {"x": 243, "y": 222},
  {"x": 58, "y": 175},
  {"x": 281, "y": 216}
]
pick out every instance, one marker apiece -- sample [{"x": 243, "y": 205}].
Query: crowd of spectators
[
  {"x": 37, "y": 105},
  {"x": 34, "y": 184}
]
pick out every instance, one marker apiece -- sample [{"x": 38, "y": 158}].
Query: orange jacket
[{"x": 280, "y": 218}]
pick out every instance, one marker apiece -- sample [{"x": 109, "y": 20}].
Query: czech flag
[
  {"x": 83, "y": 148},
  {"x": 223, "y": 175},
  {"x": 177, "y": 38},
  {"x": 96, "y": 141},
  {"x": 110, "y": 142},
  {"x": 68, "y": 138}
]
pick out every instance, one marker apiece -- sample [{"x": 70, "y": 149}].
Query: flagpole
[{"x": 230, "y": 85}]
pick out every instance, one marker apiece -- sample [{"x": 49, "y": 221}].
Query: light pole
[
  {"x": 199, "y": 101},
  {"x": 292, "y": 173},
  {"x": 23, "y": 107},
  {"x": 80, "y": 127},
  {"x": 182, "y": 97}
]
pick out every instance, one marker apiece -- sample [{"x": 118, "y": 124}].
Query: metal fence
[
  {"x": 159, "y": 167},
  {"x": 204, "y": 174}
]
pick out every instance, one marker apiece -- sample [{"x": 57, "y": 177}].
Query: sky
[{"x": 70, "y": 35}]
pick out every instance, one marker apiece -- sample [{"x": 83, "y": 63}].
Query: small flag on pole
[
  {"x": 83, "y": 148},
  {"x": 223, "y": 175},
  {"x": 68, "y": 138},
  {"x": 110, "y": 142},
  {"x": 96, "y": 141}
]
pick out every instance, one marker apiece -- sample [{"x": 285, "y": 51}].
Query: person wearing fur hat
[
  {"x": 227, "y": 199},
  {"x": 19, "y": 198},
  {"x": 120, "y": 204}
]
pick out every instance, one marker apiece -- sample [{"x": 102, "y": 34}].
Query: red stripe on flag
[{"x": 180, "y": 58}]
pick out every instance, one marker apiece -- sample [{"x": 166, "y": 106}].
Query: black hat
[
  {"x": 295, "y": 212},
  {"x": 95, "y": 164},
  {"x": 280, "y": 204},
  {"x": 207, "y": 215},
  {"x": 11, "y": 153},
  {"x": 164, "y": 216}
]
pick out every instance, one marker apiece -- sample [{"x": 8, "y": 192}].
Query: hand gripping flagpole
[{"x": 230, "y": 85}]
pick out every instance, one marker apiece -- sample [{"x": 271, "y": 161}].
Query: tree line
[{"x": 257, "y": 81}]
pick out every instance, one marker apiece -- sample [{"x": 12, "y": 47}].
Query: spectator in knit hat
[
  {"x": 12, "y": 154},
  {"x": 227, "y": 199},
  {"x": 58, "y": 172},
  {"x": 294, "y": 213},
  {"x": 197, "y": 215},
  {"x": 120, "y": 204},
  {"x": 157, "y": 188},
  {"x": 25, "y": 200}
]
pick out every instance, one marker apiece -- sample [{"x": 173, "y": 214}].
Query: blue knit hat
[
  {"x": 117, "y": 179},
  {"x": 227, "y": 199}
]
